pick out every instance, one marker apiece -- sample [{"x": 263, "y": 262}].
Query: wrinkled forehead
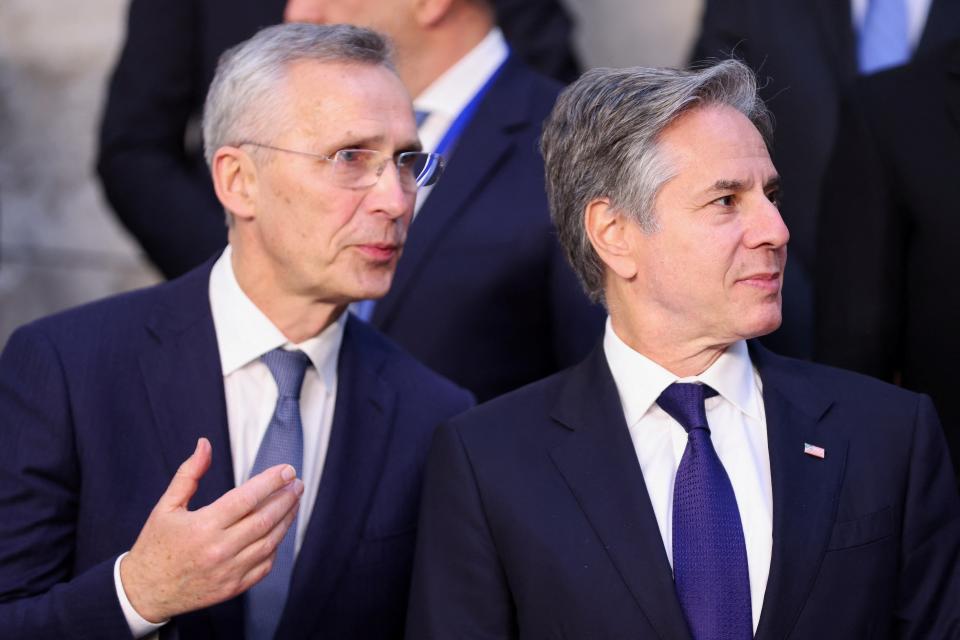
[{"x": 335, "y": 100}]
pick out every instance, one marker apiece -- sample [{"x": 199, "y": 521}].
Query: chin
[{"x": 762, "y": 324}]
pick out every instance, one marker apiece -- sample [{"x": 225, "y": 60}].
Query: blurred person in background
[
  {"x": 482, "y": 294},
  {"x": 889, "y": 230}
]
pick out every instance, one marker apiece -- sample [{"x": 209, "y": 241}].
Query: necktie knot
[
  {"x": 288, "y": 369},
  {"x": 683, "y": 401}
]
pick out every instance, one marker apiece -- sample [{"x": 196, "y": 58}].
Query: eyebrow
[
  {"x": 740, "y": 185},
  {"x": 372, "y": 142}
]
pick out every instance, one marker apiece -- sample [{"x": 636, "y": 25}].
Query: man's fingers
[
  {"x": 237, "y": 503},
  {"x": 265, "y": 547},
  {"x": 263, "y": 520},
  {"x": 185, "y": 481}
]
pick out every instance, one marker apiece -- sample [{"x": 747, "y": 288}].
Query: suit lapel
[
  {"x": 184, "y": 383},
  {"x": 361, "y": 432},
  {"x": 486, "y": 140},
  {"x": 598, "y": 462},
  {"x": 805, "y": 489}
]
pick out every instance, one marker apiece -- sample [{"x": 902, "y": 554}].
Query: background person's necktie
[
  {"x": 883, "y": 40},
  {"x": 282, "y": 443},
  {"x": 709, "y": 553}
]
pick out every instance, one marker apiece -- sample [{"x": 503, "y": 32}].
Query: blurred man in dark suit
[
  {"x": 482, "y": 294},
  {"x": 251, "y": 362},
  {"x": 889, "y": 230},
  {"x": 682, "y": 481}
]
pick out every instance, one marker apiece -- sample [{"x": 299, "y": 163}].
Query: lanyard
[{"x": 462, "y": 120}]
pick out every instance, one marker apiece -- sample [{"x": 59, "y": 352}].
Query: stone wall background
[{"x": 59, "y": 243}]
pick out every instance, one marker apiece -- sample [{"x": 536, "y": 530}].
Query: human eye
[
  {"x": 725, "y": 201},
  {"x": 775, "y": 196},
  {"x": 353, "y": 157}
]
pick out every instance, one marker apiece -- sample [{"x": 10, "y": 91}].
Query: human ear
[
  {"x": 427, "y": 13},
  {"x": 609, "y": 232},
  {"x": 235, "y": 181}
]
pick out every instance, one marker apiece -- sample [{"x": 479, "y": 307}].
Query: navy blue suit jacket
[
  {"x": 100, "y": 405},
  {"x": 483, "y": 293},
  {"x": 536, "y": 522}
]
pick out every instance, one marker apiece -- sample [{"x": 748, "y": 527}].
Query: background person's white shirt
[
  {"x": 738, "y": 429},
  {"x": 449, "y": 94}
]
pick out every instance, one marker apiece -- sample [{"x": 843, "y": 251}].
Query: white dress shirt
[
  {"x": 917, "y": 11},
  {"x": 738, "y": 430},
  {"x": 244, "y": 334},
  {"x": 447, "y": 96}
]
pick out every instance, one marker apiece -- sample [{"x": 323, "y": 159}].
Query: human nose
[
  {"x": 767, "y": 227},
  {"x": 388, "y": 194}
]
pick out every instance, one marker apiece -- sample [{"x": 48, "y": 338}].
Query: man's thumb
[{"x": 185, "y": 481}]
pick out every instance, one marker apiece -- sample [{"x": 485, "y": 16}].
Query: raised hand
[{"x": 186, "y": 560}]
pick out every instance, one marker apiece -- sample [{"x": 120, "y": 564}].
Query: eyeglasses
[{"x": 362, "y": 168}]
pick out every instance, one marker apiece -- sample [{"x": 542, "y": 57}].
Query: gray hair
[
  {"x": 242, "y": 101},
  {"x": 601, "y": 141}
]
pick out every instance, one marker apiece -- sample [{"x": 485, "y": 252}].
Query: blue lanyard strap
[{"x": 466, "y": 114}]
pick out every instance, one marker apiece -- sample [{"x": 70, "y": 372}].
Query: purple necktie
[{"x": 709, "y": 554}]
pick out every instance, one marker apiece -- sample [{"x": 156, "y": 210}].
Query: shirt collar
[
  {"x": 454, "y": 89},
  {"x": 244, "y": 333},
  {"x": 640, "y": 380}
]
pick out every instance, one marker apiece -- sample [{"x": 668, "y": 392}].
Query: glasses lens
[
  {"x": 419, "y": 169},
  {"x": 356, "y": 168}
]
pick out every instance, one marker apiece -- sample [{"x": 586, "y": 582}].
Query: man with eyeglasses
[{"x": 294, "y": 515}]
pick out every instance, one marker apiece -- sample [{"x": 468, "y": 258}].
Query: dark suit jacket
[
  {"x": 157, "y": 183},
  {"x": 100, "y": 405},
  {"x": 155, "y": 180},
  {"x": 889, "y": 233},
  {"x": 483, "y": 293},
  {"x": 536, "y": 523},
  {"x": 804, "y": 52}
]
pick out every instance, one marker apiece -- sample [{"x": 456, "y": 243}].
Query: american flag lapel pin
[{"x": 813, "y": 450}]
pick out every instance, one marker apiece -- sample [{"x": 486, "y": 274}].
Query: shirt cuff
[{"x": 138, "y": 626}]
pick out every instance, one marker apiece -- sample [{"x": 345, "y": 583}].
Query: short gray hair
[
  {"x": 601, "y": 141},
  {"x": 242, "y": 98}
]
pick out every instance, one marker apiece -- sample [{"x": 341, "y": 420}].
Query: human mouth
[
  {"x": 768, "y": 282},
  {"x": 380, "y": 251}
]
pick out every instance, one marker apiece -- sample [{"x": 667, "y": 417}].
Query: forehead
[
  {"x": 712, "y": 140},
  {"x": 353, "y": 100}
]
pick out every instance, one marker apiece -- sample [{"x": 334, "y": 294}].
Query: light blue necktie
[
  {"x": 282, "y": 444},
  {"x": 883, "y": 37}
]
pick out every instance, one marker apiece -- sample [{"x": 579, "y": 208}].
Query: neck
[
  {"x": 440, "y": 46},
  {"x": 664, "y": 341},
  {"x": 299, "y": 317},
  {"x": 682, "y": 360}
]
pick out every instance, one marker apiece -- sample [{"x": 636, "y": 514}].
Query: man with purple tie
[{"x": 683, "y": 481}]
